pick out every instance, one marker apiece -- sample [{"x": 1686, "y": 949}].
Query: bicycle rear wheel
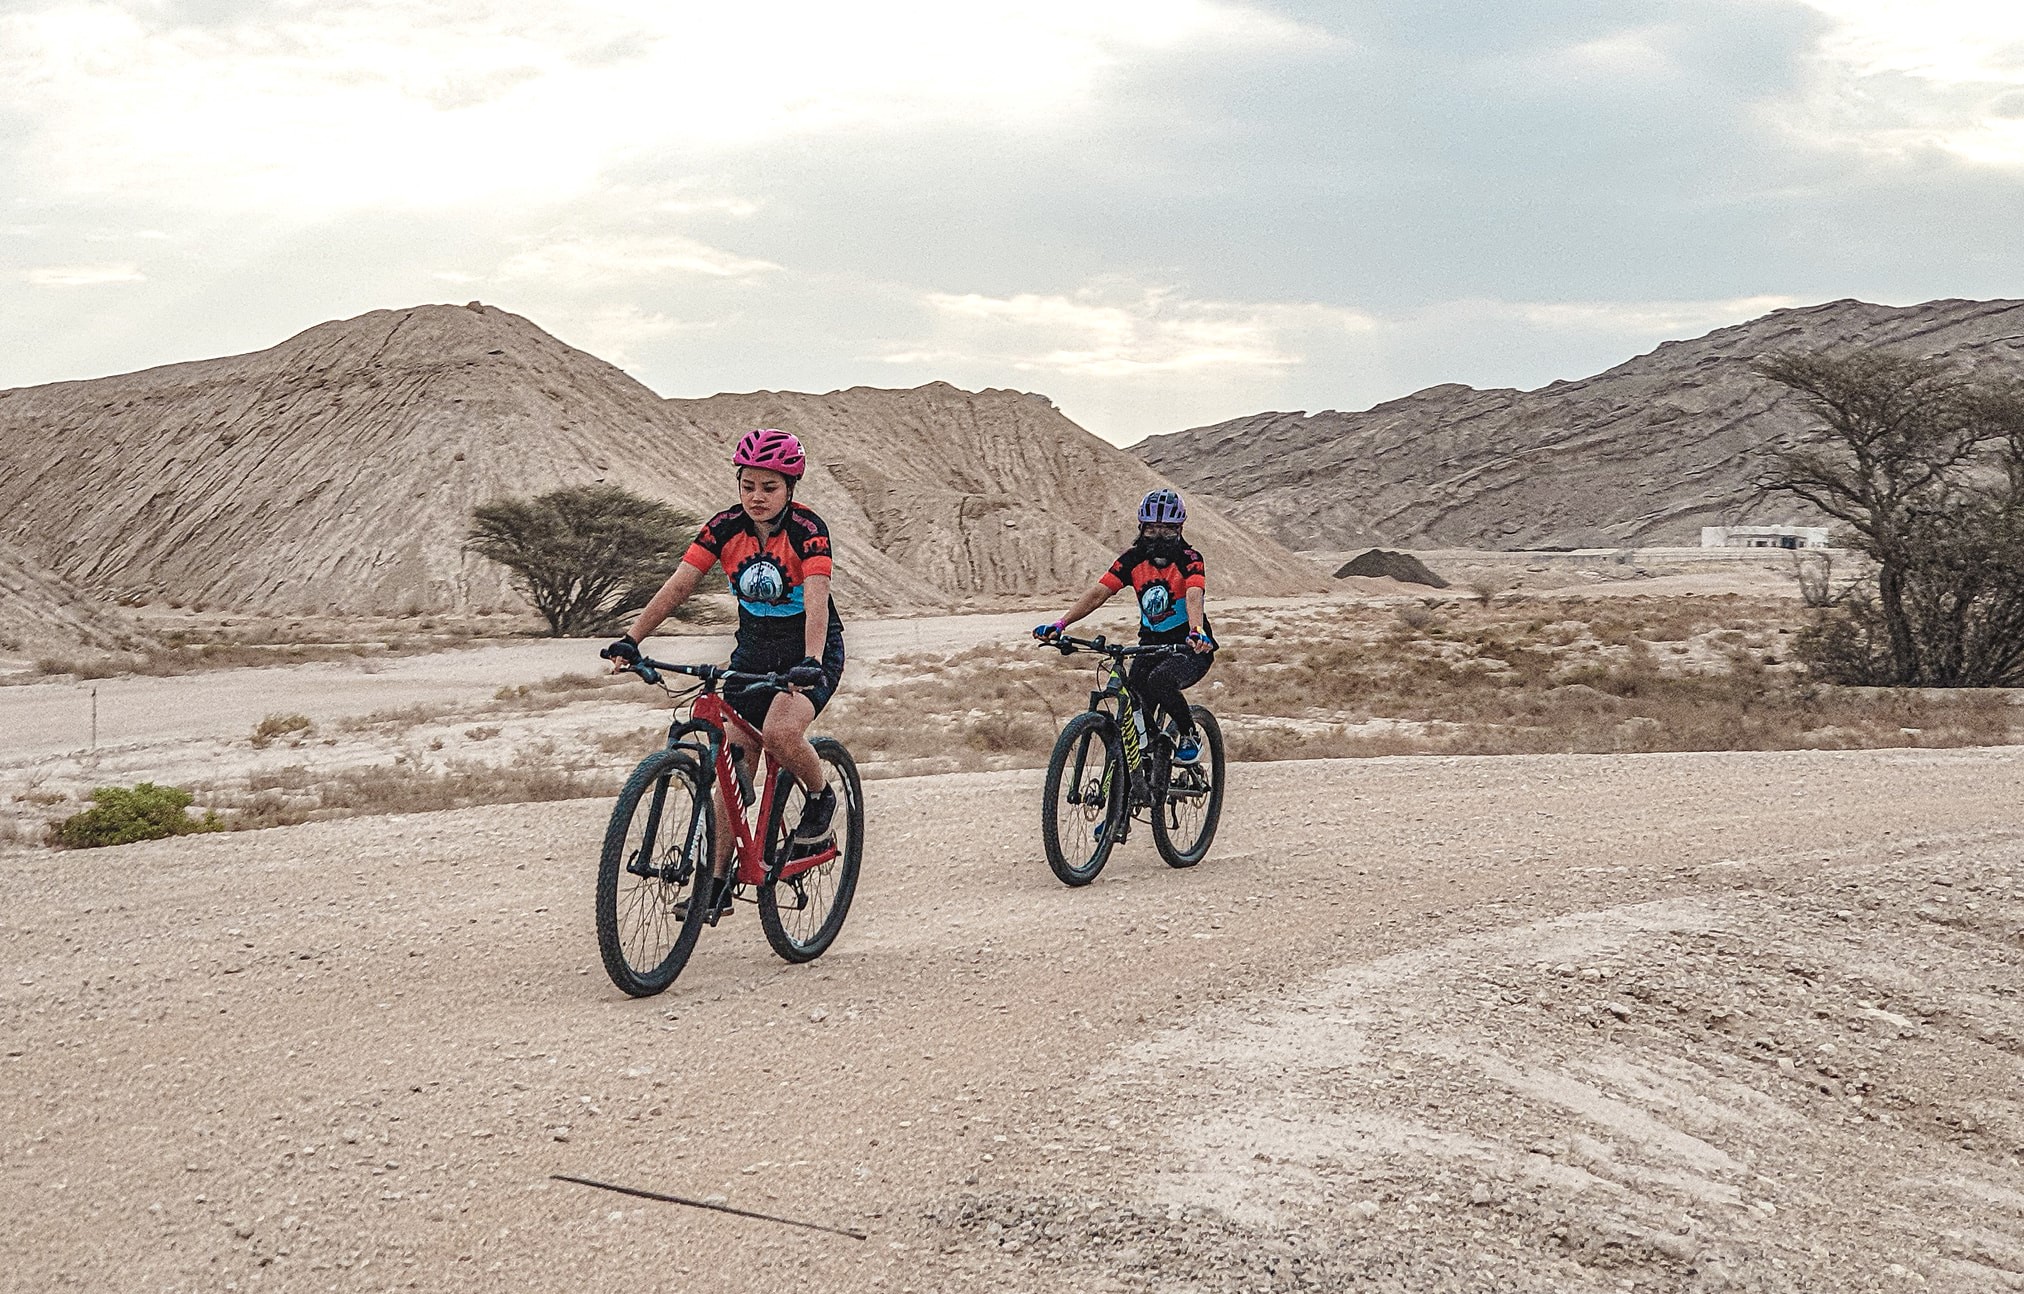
[
  {"x": 1083, "y": 801},
  {"x": 1184, "y": 821},
  {"x": 653, "y": 873},
  {"x": 802, "y": 914}
]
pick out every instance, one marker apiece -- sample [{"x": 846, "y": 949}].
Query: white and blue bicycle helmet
[{"x": 1162, "y": 507}]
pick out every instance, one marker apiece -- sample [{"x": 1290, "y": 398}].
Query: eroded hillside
[
  {"x": 1645, "y": 453},
  {"x": 994, "y": 491}
]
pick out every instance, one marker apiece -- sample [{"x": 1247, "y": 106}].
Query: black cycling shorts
[{"x": 753, "y": 704}]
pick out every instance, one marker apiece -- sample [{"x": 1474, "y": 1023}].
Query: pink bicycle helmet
[{"x": 772, "y": 449}]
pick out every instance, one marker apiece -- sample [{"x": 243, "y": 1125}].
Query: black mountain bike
[{"x": 1108, "y": 768}]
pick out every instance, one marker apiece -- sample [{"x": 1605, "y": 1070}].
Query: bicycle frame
[
  {"x": 1140, "y": 765},
  {"x": 713, "y": 716},
  {"x": 1137, "y": 759}
]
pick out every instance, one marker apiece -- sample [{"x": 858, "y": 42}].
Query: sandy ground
[
  {"x": 1644, "y": 1022},
  {"x": 41, "y": 719}
]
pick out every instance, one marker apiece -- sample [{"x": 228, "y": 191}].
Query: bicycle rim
[
  {"x": 656, "y": 857},
  {"x": 803, "y": 914}
]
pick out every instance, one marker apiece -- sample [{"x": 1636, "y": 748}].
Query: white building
[{"x": 1763, "y": 536}]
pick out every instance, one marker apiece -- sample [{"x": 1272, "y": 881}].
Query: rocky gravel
[{"x": 1655, "y": 1022}]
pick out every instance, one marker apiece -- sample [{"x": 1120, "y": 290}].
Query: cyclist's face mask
[{"x": 1162, "y": 542}]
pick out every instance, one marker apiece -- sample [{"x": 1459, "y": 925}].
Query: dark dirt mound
[{"x": 1382, "y": 563}]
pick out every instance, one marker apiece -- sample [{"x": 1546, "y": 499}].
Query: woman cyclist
[
  {"x": 1168, "y": 577},
  {"x": 776, "y": 554}
]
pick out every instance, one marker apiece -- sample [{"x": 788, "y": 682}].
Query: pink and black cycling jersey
[
  {"x": 1161, "y": 580},
  {"x": 767, "y": 575}
]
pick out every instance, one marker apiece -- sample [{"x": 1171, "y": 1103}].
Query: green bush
[{"x": 120, "y": 815}]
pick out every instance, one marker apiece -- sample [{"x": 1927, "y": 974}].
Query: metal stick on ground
[{"x": 706, "y": 1204}]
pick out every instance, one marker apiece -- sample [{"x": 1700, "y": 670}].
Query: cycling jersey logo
[
  {"x": 761, "y": 580},
  {"x": 1155, "y": 600}
]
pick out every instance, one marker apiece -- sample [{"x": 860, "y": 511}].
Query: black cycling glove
[
  {"x": 809, "y": 673},
  {"x": 622, "y": 649}
]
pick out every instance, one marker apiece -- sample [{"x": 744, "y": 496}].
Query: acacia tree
[
  {"x": 586, "y": 556},
  {"x": 1925, "y": 466}
]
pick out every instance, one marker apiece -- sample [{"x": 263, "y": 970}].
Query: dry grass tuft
[
  {"x": 280, "y": 725},
  {"x": 1630, "y": 675},
  {"x": 305, "y": 793}
]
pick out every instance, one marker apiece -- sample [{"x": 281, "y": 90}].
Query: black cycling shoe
[
  {"x": 718, "y": 910},
  {"x": 817, "y": 815}
]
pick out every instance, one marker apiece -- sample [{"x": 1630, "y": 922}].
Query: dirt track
[{"x": 1509, "y": 1023}]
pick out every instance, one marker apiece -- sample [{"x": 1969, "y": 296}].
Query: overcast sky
[{"x": 1161, "y": 213}]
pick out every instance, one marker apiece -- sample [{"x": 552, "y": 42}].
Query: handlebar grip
[{"x": 646, "y": 671}]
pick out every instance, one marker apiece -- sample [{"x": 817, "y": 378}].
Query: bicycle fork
[{"x": 642, "y": 863}]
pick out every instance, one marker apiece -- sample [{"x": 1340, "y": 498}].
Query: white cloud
[
  {"x": 588, "y": 262},
  {"x": 615, "y": 333},
  {"x": 1669, "y": 319},
  {"x": 736, "y": 208},
  {"x": 358, "y": 103},
  {"x": 84, "y": 276},
  {"x": 1893, "y": 77},
  {"x": 1108, "y": 331}
]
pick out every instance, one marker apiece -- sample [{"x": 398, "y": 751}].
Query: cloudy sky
[{"x": 1161, "y": 213}]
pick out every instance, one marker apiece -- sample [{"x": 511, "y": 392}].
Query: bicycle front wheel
[
  {"x": 653, "y": 874},
  {"x": 803, "y": 913},
  {"x": 1184, "y": 821},
  {"x": 1083, "y": 801}
]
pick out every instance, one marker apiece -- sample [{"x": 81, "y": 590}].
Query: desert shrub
[
  {"x": 1924, "y": 466},
  {"x": 285, "y": 796},
  {"x": 1004, "y": 733},
  {"x": 1417, "y": 617},
  {"x": 1845, "y": 648},
  {"x": 279, "y": 725},
  {"x": 586, "y": 556},
  {"x": 123, "y": 815},
  {"x": 1488, "y": 587}
]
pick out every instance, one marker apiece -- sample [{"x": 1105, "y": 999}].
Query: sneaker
[
  {"x": 816, "y": 816},
  {"x": 1188, "y": 749}
]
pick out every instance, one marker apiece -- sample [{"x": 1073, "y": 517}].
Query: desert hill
[
  {"x": 1644, "y": 453},
  {"x": 993, "y": 491},
  {"x": 39, "y": 613},
  {"x": 337, "y": 471}
]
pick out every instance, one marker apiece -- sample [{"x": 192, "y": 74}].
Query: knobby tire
[
  {"x": 642, "y": 938},
  {"x": 803, "y": 933},
  {"x": 1089, "y": 740},
  {"x": 1184, "y": 826}
]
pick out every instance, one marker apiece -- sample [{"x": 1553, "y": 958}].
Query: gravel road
[{"x": 1542, "y": 1023}]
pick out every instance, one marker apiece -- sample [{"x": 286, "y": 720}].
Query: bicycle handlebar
[
  {"x": 650, "y": 670},
  {"x": 1069, "y": 646}
]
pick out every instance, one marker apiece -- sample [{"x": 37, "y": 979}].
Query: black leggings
[{"x": 1159, "y": 680}]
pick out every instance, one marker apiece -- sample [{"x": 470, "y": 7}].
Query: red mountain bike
[{"x": 655, "y": 890}]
